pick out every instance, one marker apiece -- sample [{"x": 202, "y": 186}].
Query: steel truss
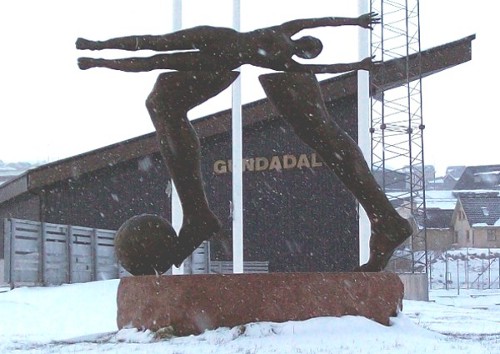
[{"x": 397, "y": 126}]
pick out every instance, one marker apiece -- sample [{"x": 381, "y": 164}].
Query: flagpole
[
  {"x": 176, "y": 207},
  {"x": 363, "y": 128},
  {"x": 237, "y": 158}
]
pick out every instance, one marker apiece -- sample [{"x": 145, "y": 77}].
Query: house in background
[
  {"x": 448, "y": 181},
  {"x": 439, "y": 233},
  {"x": 476, "y": 220},
  {"x": 479, "y": 177},
  {"x": 391, "y": 180},
  {"x": 466, "y": 215}
]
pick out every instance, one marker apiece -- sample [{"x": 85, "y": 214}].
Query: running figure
[
  {"x": 204, "y": 58},
  {"x": 206, "y": 48}
]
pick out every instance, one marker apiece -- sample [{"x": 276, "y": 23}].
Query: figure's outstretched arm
[
  {"x": 365, "y": 64},
  {"x": 365, "y": 21}
]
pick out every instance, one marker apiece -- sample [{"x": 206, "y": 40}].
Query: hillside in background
[{"x": 13, "y": 169}]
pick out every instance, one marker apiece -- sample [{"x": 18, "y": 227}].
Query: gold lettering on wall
[
  {"x": 273, "y": 163},
  {"x": 261, "y": 163},
  {"x": 249, "y": 165},
  {"x": 289, "y": 161},
  {"x": 303, "y": 161},
  {"x": 315, "y": 162}
]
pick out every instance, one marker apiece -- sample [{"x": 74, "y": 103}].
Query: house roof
[
  {"x": 479, "y": 177},
  {"x": 455, "y": 172},
  {"x": 481, "y": 209},
  {"x": 438, "y": 218},
  {"x": 387, "y": 75}
]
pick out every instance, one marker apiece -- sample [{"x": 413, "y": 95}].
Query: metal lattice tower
[{"x": 397, "y": 126}]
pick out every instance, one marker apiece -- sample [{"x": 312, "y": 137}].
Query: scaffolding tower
[{"x": 397, "y": 126}]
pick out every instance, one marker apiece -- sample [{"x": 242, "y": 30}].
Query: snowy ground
[{"x": 67, "y": 318}]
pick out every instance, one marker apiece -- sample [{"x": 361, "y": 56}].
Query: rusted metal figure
[{"x": 204, "y": 58}]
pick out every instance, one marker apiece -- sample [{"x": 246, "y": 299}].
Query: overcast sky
[{"x": 49, "y": 109}]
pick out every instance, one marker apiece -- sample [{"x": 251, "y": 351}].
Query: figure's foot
[
  {"x": 387, "y": 235},
  {"x": 87, "y": 63},
  {"x": 193, "y": 232},
  {"x": 82, "y": 43}
]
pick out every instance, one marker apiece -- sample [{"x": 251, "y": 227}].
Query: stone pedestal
[{"x": 194, "y": 303}]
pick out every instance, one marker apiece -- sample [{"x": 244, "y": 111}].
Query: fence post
[
  {"x": 458, "y": 277},
  {"x": 466, "y": 269},
  {"x": 7, "y": 227},
  {"x": 430, "y": 273},
  {"x": 93, "y": 255},
  {"x": 489, "y": 267},
  {"x": 41, "y": 256},
  {"x": 446, "y": 270},
  {"x": 70, "y": 253}
]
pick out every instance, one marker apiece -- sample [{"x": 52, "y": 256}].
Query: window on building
[
  {"x": 468, "y": 235},
  {"x": 491, "y": 235}
]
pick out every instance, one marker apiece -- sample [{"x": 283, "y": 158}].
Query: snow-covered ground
[{"x": 68, "y": 318}]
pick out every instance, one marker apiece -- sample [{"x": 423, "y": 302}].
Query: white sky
[{"x": 49, "y": 109}]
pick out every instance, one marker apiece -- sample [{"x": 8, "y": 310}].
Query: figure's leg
[
  {"x": 173, "y": 95},
  {"x": 186, "y": 61},
  {"x": 131, "y": 43},
  {"x": 298, "y": 98},
  {"x": 186, "y": 39}
]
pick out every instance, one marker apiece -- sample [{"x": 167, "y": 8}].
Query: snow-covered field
[{"x": 68, "y": 318}]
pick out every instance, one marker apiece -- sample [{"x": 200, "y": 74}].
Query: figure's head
[{"x": 308, "y": 47}]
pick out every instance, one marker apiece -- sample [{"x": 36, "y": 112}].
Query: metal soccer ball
[{"x": 144, "y": 244}]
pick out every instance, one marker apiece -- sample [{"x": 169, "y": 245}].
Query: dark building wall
[
  {"x": 298, "y": 219},
  {"x": 26, "y": 206},
  {"x": 108, "y": 197}
]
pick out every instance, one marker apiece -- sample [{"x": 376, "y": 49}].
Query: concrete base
[
  {"x": 194, "y": 303},
  {"x": 416, "y": 286}
]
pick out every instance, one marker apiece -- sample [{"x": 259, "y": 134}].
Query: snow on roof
[
  {"x": 440, "y": 199},
  {"x": 487, "y": 173},
  {"x": 481, "y": 209}
]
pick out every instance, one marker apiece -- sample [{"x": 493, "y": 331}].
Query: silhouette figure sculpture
[{"x": 204, "y": 58}]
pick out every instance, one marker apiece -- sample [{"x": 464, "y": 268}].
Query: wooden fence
[{"x": 51, "y": 254}]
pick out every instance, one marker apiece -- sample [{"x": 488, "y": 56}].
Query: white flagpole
[
  {"x": 363, "y": 128},
  {"x": 237, "y": 157},
  {"x": 176, "y": 203}
]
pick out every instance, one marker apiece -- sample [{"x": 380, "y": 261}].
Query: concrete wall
[{"x": 416, "y": 286}]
